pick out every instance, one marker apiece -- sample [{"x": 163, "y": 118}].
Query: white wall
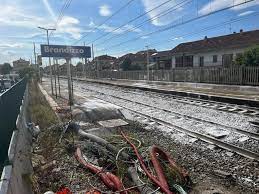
[{"x": 208, "y": 57}]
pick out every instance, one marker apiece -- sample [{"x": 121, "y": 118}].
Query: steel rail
[
  {"x": 206, "y": 138},
  {"x": 252, "y": 111},
  {"x": 241, "y": 131}
]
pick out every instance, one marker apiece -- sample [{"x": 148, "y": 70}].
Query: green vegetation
[
  {"x": 29, "y": 72},
  {"x": 6, "y": 69},
  {"x": 39, "y": 110},
  {"x": 249, "y": 58},
  {"x": 127, "y": 65}
]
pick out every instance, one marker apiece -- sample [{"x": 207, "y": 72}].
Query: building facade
[
  {"x": 162, "y": 59},
  {"x": 216, "y": 51},
  {"x": 105, "y": 62},
  {"x": 20, "y": 64}
]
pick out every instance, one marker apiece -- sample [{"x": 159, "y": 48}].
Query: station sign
[{"x": 64, "y": 51}]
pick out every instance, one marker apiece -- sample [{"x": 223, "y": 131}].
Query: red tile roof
[{"x": 235, "y": 40}]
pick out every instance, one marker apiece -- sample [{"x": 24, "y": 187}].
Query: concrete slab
[
  {"x": 242, "y": 139},
  {"x": 93, "y": 110},
  {"x": 217, "y": 132},
  {"x": 113, "y": 123}
]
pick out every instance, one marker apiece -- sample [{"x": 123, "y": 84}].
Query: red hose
[
  {"x": 109, "y": 179},
  {"x": 163, "y": 185},
  {"x": 181, "y": 173}
]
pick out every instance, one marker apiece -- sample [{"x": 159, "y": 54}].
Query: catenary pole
[
  {"x": 147, "y": 64},
  {"x": 51, "y": 81}
]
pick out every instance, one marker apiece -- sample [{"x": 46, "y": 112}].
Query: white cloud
[
  {"x": 112, "y": 29},
  {"x": 11, "y": 15},
  {"x": 11, "y": 45},
  {"x": 144, "y": 37},
  {"x": 68, "y": 25},
  {"x": 49, "y": 9},
  {"x": 15, "y": 16},
  {"x": 177, "y": 38},
  {"x": 246, "y": 13},
  {"x": 219, "y": 4},
  {"x": 105, "y": 10},
  {"x": 167, "y": 18}
]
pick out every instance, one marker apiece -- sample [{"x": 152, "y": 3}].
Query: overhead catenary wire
[
  {"x": 130, "y": 21},
  {"x": 105, "y": 21},
  {"x": 233, "y": 20},
  {"x": 61, "y": 14},
  {"x": 161, "y": 14},
  {"x": 176, "y": 25}
]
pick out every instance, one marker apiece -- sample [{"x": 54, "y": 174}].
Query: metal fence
[
  {"x": 10, "y": 102},
  {"x": 216, "y": 75},
  {"x": 15, "y": 176}
]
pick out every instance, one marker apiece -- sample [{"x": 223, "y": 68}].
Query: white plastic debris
[
  {"x": 49, "y": 192},
  {"x": 35, "y": 130}
]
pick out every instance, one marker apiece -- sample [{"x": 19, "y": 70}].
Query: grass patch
[{"x": 39, "y": 110}]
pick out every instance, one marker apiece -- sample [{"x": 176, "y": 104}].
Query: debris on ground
[{"x": 68, "y": 156}]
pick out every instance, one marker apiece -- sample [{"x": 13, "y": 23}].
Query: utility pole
[
  {"x": 34, "y": 51},
  {"x": 69, "y": 79},
  {"x": 94, "y": 62},
  {"x": 35, "y": 60},
  {"x": 58, "y": 79},
  {"x": 84, "y": 66},
  {"x": 47, "y": 30},
  {"x": 38, "y": 66},
  {"x": 55, "y": 77},
  {"x": 147, "y": 64}
]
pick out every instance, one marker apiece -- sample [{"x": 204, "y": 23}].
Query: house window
[
  {"x": 188, "y": 61},
  {"x": 179, "y": 61},
  {"x": 227, "y": 60},
  {"x": 215, "y": 58},
  {"x": 201, "y": 61}
]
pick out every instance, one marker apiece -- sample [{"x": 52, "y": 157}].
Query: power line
[
  {"x": 132, "y": 20},
  {"x": 211, "y": 27},
  {"x": 233, "y": 20},
  {"x": 161, "y": 14},
  {"x": 115, "y": 13},
  {"x": 179, "y": 24},
  {"x": 61, "y": 13}
]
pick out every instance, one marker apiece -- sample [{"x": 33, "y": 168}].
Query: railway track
[
  {"x": 226, "y": 107},
  {"x": 206, "y": 138},
  {"x": 193, "y": 133},
  {"x": 238, "y": 130}
]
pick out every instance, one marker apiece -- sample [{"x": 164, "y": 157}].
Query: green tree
[
  {"x": 126, "y": 64},
  {"x": 6, "y": 68},
  {"x": 28, "y": 72},
  {"x": 249, "y": 58}
]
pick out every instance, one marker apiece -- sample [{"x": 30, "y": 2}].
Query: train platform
[{"x": 241, "y": 95}]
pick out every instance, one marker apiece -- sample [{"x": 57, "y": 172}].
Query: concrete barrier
[{"x": 15, "y": 177}]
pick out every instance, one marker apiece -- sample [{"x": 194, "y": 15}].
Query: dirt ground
[{"x": 55, "y": 165}]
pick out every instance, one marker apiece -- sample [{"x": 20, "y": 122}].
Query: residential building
[
  {"x": 138, "y": 60},
  {"x": 162, "y": 59},
  {"x": 63, "y": 69},
  {"x": 20, "y": 64},
  {"x": 105, "y": 62},
  {"x": 216, "y": 51}
]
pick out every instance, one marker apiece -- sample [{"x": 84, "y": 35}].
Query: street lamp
[{"x": 47, "y": 30}]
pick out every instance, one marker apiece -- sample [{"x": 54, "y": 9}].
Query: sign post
[
  {"x": 69, "y": 81},
  {"x": 66, "y": 52}
]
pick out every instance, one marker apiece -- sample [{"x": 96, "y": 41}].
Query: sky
[{"x": 127, "y": 25}]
